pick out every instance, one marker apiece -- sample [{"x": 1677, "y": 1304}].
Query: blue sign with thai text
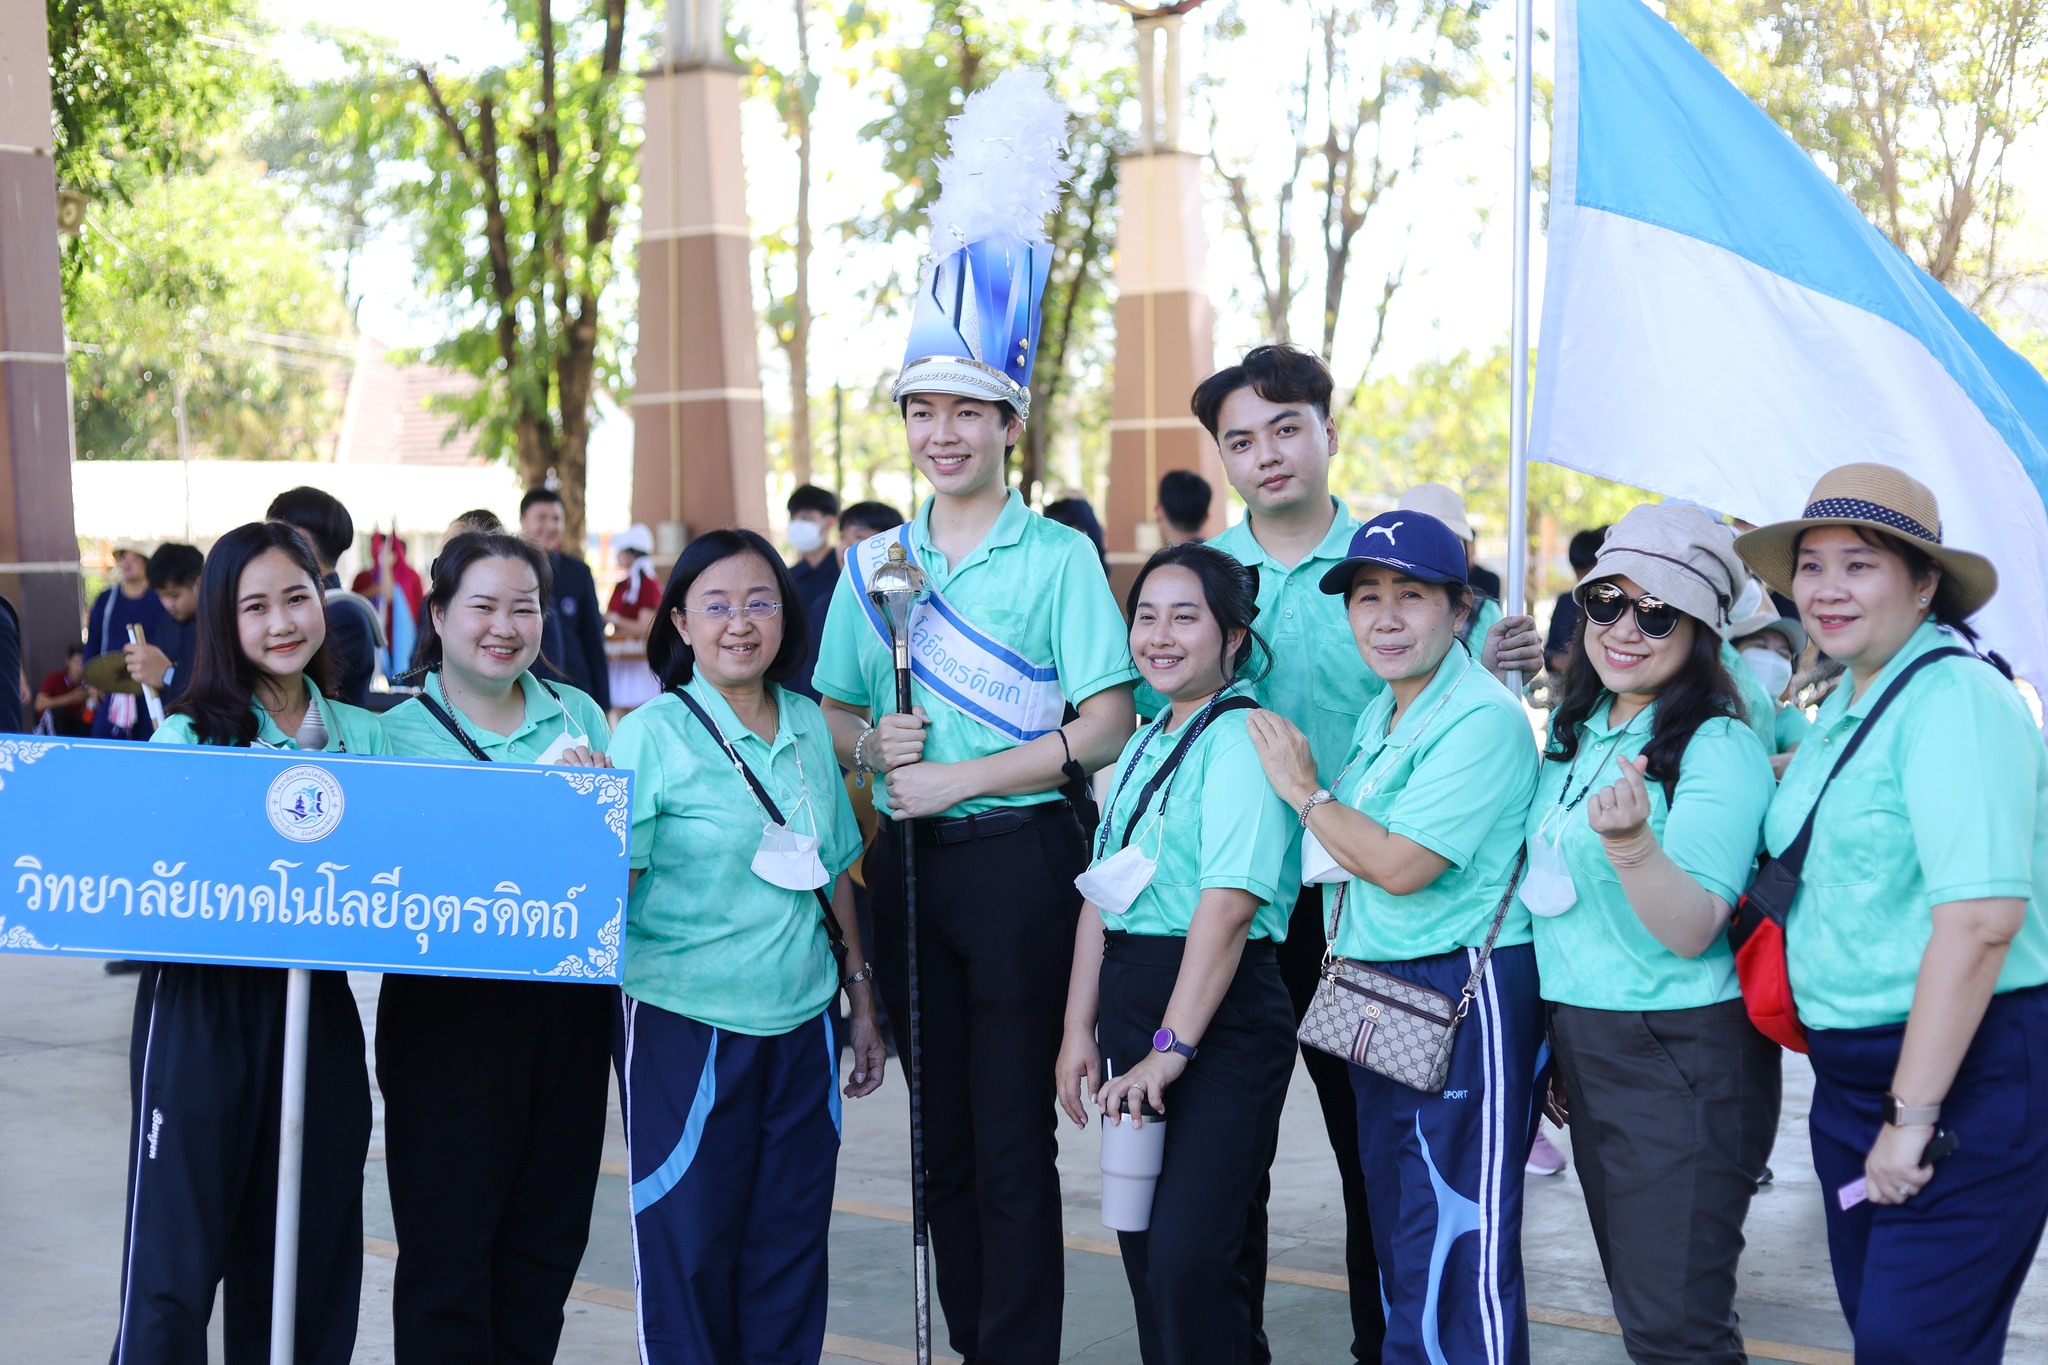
[{"x": 283, "y": 858}]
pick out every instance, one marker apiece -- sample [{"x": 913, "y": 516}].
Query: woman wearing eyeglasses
[
  {"x": 1642, "y": 836},
  {"x": 728, "y": 1066}
]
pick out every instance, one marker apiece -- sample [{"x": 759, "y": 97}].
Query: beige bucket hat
[
  {"x": 1675, "y": 551},
  {"x": 1879, "y": 498}
]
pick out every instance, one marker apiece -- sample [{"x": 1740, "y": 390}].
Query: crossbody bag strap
[
  {"x": 1500, "y": 916},
  {"x": 1180, "y": 751},
  {"x": 440, "y": 713},
  {"x": 1793, "y": 859},
  {"x": 832, "y": 931}
]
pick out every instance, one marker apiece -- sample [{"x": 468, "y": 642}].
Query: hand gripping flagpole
[
  {"x": 1518, "y": 347},
  {"x": 895, "y": 589}
]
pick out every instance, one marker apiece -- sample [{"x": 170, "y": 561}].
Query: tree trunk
[{"x": 799, "y": 346}]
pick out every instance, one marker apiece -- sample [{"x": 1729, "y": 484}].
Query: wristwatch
[
  {"x": 1320, "y": 796},
  {"x": 1164, "y": 1041},
  {"x": 1899, "y": 1114}
]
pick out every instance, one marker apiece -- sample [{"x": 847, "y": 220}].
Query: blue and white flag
[{"x": 1721, "y": 324}]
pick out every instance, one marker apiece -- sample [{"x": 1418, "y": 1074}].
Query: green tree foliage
[
  {"x": 200, "y": 285},
  {"x": 1914, "y": 105},
  {"x": 964, "y": 47}
]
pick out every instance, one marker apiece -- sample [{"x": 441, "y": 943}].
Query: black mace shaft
[{"x": 921, "y": 1246}]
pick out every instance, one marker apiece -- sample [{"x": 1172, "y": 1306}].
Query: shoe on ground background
[
  {"x": 120, "y": 968},
  {"x": 1544, "y": 1158}
]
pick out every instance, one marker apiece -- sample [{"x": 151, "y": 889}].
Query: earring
[{"x": 1923, "y": 601}]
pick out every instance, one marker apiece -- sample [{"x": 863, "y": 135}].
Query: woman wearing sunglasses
[
  {"x": 1642, "y": 836},
  {"x": 1421, "y": 836},
  {"x": 728, "y": 1066},
  {"x": 1916, "y": 946}
]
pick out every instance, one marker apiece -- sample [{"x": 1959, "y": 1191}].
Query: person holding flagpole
[{"x": 1019, "y": 625}]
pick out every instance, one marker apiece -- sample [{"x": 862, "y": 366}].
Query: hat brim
[
  {"x": 1336, "y": 581},
  {"x": 1770, "y": 550},
  {"x": 963, "y": 378}
]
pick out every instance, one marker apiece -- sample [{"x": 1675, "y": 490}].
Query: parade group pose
[{"x": 1328, "y": 829}]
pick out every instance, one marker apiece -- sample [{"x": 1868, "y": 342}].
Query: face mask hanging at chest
[
  {"x": 564, "y": 742},
  {"x": 1547, "y": 886},
  {"x": 789, "y": 859}
]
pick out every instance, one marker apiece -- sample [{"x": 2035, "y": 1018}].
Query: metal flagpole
[
  {"x": 895, "y": 589},
  {"x": 1518, "y": 348},
  {"x": 291, "y": 1150}
]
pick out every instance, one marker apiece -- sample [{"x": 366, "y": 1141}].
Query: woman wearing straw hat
[
  {"x": 1915, "y": 942},
  {"x": 1642, "y": 837}
]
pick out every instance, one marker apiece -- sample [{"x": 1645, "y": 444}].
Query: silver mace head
[{"x": 896, "y": 588}]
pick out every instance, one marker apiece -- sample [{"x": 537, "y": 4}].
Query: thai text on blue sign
[{"x": 293, "y": 859}]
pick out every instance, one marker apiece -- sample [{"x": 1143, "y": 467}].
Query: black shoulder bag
[{"x": 440, "y": 713}]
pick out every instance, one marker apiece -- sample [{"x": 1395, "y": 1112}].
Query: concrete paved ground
[{"x": 63, "y": 1143}]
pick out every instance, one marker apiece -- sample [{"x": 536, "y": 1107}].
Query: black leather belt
[{"x": 985, "y": 824}]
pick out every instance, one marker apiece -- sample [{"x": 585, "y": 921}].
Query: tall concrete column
[
  {"x": 38, "y": 550},
  {"x": 699, "y": 439},
  {"x": 1164, "y": 322}
]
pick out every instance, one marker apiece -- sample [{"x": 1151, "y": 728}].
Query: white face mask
[
  {"x": 1750, "y": 603},
  {"x": 564, "y": 742},
  {"x": 1547, "y": 886},
  {"x": 1118, "y": 880},
  {"x": 789, "y": 859},
  {"x": 1317, "y": 866},
  {"x": 806, "y": 537},
  {"x": 1772, "y": 669}
]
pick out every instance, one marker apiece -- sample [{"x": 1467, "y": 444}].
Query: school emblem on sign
[{"x": 304, "y": 803}]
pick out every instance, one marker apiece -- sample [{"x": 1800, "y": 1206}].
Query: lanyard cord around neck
[
  {"x": 1385, "y": 754},
  {"x": 1598, "y": 768},
  {"x": 1220, "y": 702},
  {"x": 769, "y": 811}
]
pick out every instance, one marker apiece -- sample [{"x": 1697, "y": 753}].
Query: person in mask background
[
  {"x": 1770, "y": 645},
  {"x": 813, "y": 517}
]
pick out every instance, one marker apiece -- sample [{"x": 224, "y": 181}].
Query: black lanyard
[
  {"x": 476, "y": 752},
  {"x": 1166, "y": 770}
]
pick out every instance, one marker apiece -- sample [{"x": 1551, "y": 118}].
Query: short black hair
[
  {"x": 873, "y": 516},
  {"x": 321, "y": 516},
  {"x": 1278, "y": 373},
  {"x": 175, "y": 566},
  {"x": 808, "y": 497},
  {"x": 480, "y": 519},
  {"x": 672, "y": 660},
  {"x": 1184, "y": 496},
  {"x": 534, "y": 495},
  {"x": 73, "y": 649},
  {"x": 1585, "y": 549}
]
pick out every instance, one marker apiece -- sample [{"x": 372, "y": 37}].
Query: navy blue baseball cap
[{"x": 1413, "y": 543}]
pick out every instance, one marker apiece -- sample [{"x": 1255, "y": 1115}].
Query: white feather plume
[{"x": 1005, "y": 167}]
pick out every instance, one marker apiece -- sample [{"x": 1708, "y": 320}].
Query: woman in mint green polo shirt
[
  {"x": 1176, "y": 984},
  {"x": 1916, "y": 946},
  {"x": 729, "y": 1067},
  {"x": 1422, "y": 836},
  {"x": 1642, "y": 837},
  {"x": 494, "y": 1091},
  {"x": 207, "y": 1053}
]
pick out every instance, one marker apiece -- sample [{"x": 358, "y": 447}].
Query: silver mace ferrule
[{"x": 896, "y": 588}]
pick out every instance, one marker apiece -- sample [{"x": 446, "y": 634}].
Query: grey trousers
[{"x": 1672, "y": 1117}]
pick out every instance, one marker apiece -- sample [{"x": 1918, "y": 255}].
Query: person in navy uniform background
[{"x": 572, "y": 640}]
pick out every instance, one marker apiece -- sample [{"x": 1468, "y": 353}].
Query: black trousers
[
  {"x": 995, "y": 944},
  {"x": 206, "y": 1072},
  {"x": 1300, "y": 958},
  {"x": 494, "y": 1113},
  {"x": 1198, "y": 1275},
  {"x": 1673, "y": 1113}
]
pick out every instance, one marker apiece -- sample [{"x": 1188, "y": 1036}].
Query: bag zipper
[{"x": 1336, "y": 980}]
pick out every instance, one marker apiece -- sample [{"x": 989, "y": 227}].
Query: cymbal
[{"x": 109, "y": 673}]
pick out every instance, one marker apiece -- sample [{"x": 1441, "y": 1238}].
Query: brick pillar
[
  {"x": 38, "y": 549},
  {"x": 699, "y": 444}
]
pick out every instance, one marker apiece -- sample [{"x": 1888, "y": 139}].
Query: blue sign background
[{"x": 292, "y": 859}]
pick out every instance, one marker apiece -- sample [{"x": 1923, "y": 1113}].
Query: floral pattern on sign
[
  {"x": 19, "y": 937},
  {"x": 611, "y": 790},
  {"x": 602, "y": 961},
  {"x": 24, "y": 752}
]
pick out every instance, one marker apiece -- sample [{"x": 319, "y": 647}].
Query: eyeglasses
[
  {"x": 759, "y": 609},
  {"x": 1604, "y": 603}
]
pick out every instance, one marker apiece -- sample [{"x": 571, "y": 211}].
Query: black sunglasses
[{"x": 1604, "y": 603}]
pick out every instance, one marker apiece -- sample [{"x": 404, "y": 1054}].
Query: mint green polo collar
[
  {"x": 1010, "y": 526},
  {"x": 1927, "y": 636},
  {"x": 540, "y": 707},
  {"x": 1597, "y": 726},
  {"x": 1449, "y": 673},
  {"x": 1335, "y": 544},
  {"x": 733, "y": 728}
]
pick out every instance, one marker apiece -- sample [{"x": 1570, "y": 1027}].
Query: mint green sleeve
[
  {"x": 838, "y": 673},
  {"x": 1463, "y": 783},
  {"x": 1246, "y": 828},
  {"x": 174, "y": 730},
  {"x": 839, "y": 845},
  {"x": 634, "y": 747},
  {"x": 361, "y": 730},
  {"x": 1969, "y": 795},
  {"x": 1716, "y": 820},
  {"x": 1091, "y": 644},
  {"x": 1792, "y": 728}
]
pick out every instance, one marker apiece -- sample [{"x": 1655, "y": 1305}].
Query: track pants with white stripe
[
  {"x": 206, "y": 1078},
  {"x": 734, "y": 1143},
  {"x": 1443, "y": 1173}
]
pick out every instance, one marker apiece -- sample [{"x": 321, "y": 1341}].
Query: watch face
[{"x": 1162, "y": 1040}]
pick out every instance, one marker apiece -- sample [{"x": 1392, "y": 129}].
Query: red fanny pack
[{"x": 1757, "y": 931}]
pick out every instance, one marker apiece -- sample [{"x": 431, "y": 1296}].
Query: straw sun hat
[{"x": 1877, "y": 498}]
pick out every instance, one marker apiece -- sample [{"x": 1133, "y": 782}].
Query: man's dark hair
[
  {"x": 175, "y": 566},
  {"x": 534, "y": 495},
  {"x": 669, "y": 654},
  {"x": 869, "y": 516},
  {"x": 73, "y": 649},
  {"x": 1279, "y": 374},
  {"x": 321, "y": 516},
  {"x": 808, "y": 497},
  {"x": 1585, "y": 549},
  {"x": 1184, "y": 496}
]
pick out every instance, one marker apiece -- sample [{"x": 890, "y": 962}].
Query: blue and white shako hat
[
  {"x": 1406, "y": 541},
  {"x": 975, "y": 328}
]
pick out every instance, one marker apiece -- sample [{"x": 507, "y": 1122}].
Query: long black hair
[
  {"x": 222, "y": 695},
  {"x": 458, "y": 553},
  {"x": 667, "y": 652},
  {"x": 1698, "y": 692},
  {"x": 1232, "y": 592}
]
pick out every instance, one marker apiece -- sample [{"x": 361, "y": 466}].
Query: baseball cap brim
[{"x": 1337, "y": 581}]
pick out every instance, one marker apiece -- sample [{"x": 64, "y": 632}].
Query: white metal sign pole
[
  {"x": 1518, "y": 349},
  {"x": 291, "y": 1150}
]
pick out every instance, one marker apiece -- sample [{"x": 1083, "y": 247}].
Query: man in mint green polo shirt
[
  {"x": 1022, "y": 681},
  {"x": 1270, "y": 416}
]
